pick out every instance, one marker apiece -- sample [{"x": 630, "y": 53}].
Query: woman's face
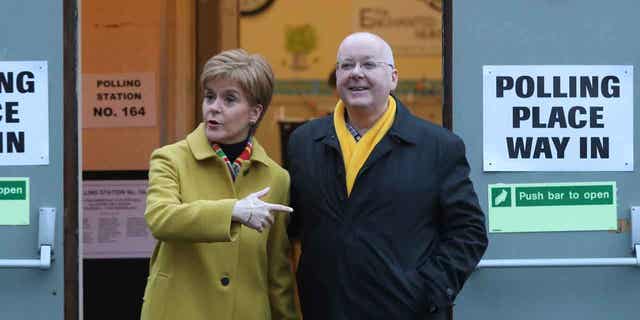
[{"x": 226, "y": 111}]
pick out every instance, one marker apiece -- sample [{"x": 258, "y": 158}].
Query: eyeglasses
[{"x": 368, "y": 65}]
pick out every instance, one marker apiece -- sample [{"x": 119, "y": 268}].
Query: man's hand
[{"x": 255, "y": 213}]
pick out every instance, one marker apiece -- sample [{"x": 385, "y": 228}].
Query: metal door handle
[
  {"x": 46, "y": 232},
  {"x": 583, "y": 262}
]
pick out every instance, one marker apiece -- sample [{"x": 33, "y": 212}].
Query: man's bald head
[
  {"x": 377, "y": 45},
  {"x": 365, "y": 74}
]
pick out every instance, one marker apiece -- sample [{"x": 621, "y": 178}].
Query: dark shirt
[{"x": 233, "y": 150}]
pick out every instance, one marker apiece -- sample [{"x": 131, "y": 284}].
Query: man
[{"x": 388, "y": 219}]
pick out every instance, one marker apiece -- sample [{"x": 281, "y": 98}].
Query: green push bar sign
[
  {"x": 14, "y": 201},
  {"x": 536, "y": 207}
]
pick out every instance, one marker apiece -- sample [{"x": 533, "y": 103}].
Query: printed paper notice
[
  {"x": 24, "y": 113},
  {"x": 119, "y": 100},
  {"x": 113, "y": 219},
  {"x": 558, "y": 118}
]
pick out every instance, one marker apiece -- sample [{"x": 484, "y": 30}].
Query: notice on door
[
  {"x": 552, "y": 207},
  {"x": 558, "y": 118},
  {"x": 119, "y": 100},
  {"x": 14, "y": 201},
  {"x": 113, "y": 224},
  {"x": 24, "y": 113}
]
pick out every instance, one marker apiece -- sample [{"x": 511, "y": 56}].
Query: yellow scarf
[{"x": 355, "y": 154}]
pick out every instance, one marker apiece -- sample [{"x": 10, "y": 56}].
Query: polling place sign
[
  {"x": 119, "y": 100},
  {"x": 558, "y": 118},
  {"x": 579, "y": 206},
  {"x": 24, "y": 113}
]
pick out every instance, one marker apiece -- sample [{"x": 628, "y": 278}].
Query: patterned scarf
[{"x": 234, "y": 167}]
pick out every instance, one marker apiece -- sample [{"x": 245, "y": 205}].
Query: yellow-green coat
[{"x": 205, "y": 266}]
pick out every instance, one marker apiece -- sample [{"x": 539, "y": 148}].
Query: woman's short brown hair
[{"x": 250, "y": 71}]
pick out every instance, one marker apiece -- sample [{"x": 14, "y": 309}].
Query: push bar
[
  {"x": 585, "y": 262},
  {"x": 46, "y": 229},
  {"x": 577, "y": 262}
]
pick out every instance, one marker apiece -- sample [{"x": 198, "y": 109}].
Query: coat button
[{"x": 225, "y": 281}]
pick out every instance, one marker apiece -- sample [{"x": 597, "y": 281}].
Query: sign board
[
  {"x": 558, "y": 118},
  {"x": 119, "y": 100},
  {"x": 14, "y": 201},
  {"x": 24, "y": 113},
  {"x": 552, "y": 207},
  {"x": 113, "y": 219},
  {"x": 412, "y": 28}
]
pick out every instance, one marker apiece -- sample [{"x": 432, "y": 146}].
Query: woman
[{"x": 216, "y": 205}]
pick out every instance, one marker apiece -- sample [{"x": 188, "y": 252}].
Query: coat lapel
[
  {"x": 201, "y": 148},
  {"x": 400, "y": 133},
  {"x": 328, "y": 135},
  {"x": 199, "y": 145}
]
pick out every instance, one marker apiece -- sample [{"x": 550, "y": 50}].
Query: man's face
[{"x": 364, "y": 76}]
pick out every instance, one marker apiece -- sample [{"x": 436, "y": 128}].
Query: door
[
  {"x": 31, "y": 160},
  {"x": 552, "y": 46}
]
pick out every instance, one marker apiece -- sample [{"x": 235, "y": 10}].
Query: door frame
[
  {"x": 447, "y": 67},
  {"x": 71, "y": 170}
]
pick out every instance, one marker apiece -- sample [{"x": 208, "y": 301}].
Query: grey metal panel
[
  {"x": 34, "y": 31},
  {"x": 545, "y": 32}
]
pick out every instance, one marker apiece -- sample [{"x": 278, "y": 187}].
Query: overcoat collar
[
  {"x": 403, "y": 128},
  {"x": 201, "y": 148}
]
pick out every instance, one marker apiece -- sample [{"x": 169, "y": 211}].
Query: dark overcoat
[{"x": 403, "y": 243}]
